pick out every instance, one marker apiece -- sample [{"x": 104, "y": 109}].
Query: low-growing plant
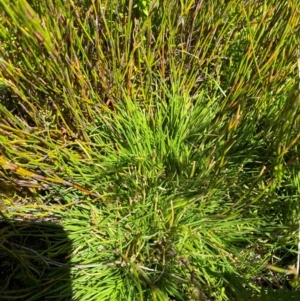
[{"x": 162, "y": 137}]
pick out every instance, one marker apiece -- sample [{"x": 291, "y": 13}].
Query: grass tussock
[{"x": 162, "y": 136}]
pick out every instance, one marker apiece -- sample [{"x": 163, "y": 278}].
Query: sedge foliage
[{"x": 162, "y": 136}]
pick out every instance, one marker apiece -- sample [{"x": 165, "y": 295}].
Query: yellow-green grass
[{"x": 162, "y": 137}]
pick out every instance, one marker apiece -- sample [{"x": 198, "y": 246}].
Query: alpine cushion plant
[{"x": 164, "y": 143}]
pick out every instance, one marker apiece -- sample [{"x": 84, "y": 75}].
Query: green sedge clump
[{"x": 148, "y": 150}]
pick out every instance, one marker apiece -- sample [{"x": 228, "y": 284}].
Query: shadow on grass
[
  {"x": 33, "y": 261},
  {"x": 237, "y": 286},
  {"x": 278, "y": 295}
]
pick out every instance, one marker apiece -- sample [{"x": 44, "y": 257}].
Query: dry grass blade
[{"x": 5, "y": 164}]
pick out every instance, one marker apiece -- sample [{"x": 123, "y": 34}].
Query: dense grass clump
[{"x": 162, "y": 137}]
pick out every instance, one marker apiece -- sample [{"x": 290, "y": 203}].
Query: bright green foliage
[
  {"x": 179, "y": 121},
  {"x": 142, "y": 6}
]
